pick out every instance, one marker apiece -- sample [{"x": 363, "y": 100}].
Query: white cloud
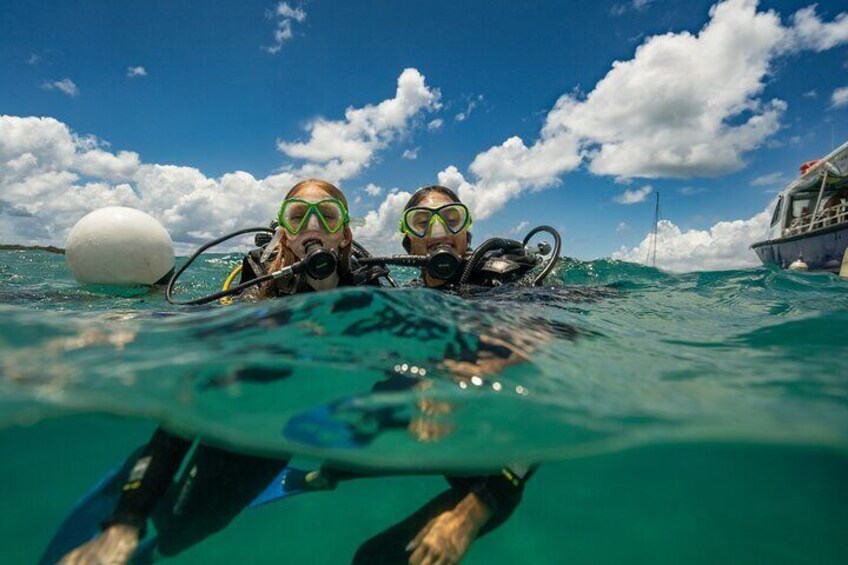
[
  {"x": 771, "y": 179},
  {"x": 284, "y": 15},
  {"x": 436, "y": 124},
  {"x": 634, "y": 196},
  {"x": 811, "y": 94},
  {"x": 520, "y": 228},
  {"x": 808, "y": 32},
  {"x": 65, "y": 85},
  {"x": 33, "y": 59},
  {"x": 622, "y": 227},
  {"x": 635, "y": 5},
  {"x": 411, "y": 154},
  {"x": 373, "y": 190},
  {"x": 686, "y": 105},
  {"x": 380, "y": 232},
  {"x": 462, "y": 116},
  {"x": 691, "y": 190},
  {"x": 341, "y": 149},
  {"x": 839, "y": 98},
  {"x": 726, "y": 245},
  {"x": 139, "y": 71},
  {"x": 50, "y": 176},
  {"x": 103, "y": 164}
]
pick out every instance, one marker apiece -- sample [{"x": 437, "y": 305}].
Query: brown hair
[
  {"x": 285, "y": 257},
  {"x": 422, "y": 193}
]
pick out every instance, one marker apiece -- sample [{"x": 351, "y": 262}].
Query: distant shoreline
[{"x": 48, "y": 248}]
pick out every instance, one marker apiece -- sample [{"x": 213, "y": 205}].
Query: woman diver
[
  {"x": 436, "y": 222},
  {"x": 313, "y": 214}
]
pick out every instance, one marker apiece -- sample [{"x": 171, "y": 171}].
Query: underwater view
[{"x": 697, "y": 417}]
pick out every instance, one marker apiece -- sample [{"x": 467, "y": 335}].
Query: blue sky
[{"x": 219, "y": 94}]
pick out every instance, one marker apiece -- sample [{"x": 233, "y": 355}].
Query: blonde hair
[{"x": 285, "y": 257}]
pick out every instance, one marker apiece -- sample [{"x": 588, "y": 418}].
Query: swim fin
[{"x": 83, "y": 522}]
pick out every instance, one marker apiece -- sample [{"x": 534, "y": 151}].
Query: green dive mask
[
  {"x": 417, "y": 221},
  {"x": 294, "y": 214}
]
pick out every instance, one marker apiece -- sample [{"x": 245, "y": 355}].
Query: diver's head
[
  {"x": 315, "y": 211},
  {"x": 434, "y": 217}
]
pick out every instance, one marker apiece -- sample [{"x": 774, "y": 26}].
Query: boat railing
[{"x": 831, "y": 216}]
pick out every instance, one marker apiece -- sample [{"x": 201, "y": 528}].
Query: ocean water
[{"x": 694, "y": 418}]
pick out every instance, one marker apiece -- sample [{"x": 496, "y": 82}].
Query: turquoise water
[{"x": 698, "y": 418}]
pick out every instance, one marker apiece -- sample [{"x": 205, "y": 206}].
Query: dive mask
[
  {"x": 418, "y": 220},
  {"x": 295, "y": 212}
]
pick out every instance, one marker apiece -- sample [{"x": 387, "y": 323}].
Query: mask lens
[
  {"x": 294, "y": 213},
  {"x": 332, "y": 213},
  {"x": 454, "y": 217},
  {"x": 417, "y": 220}
]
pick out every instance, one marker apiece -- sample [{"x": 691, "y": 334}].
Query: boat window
[
  {"x": 800, "y": 212},
  {"x": 776, "y": 216}
]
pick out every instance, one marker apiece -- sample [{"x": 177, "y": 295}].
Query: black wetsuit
[
  {"x": 216, "y": 484},
  {"x": 501, "y": 492}
]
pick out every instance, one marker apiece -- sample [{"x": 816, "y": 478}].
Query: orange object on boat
[{"x": 808, "y": 165}]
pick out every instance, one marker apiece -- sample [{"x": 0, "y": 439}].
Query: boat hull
[{"x": 821, "y": 250}]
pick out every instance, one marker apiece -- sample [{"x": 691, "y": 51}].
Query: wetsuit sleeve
[
  {"x": 501, "y": 493},
  {"x": 148, "y": 479}
]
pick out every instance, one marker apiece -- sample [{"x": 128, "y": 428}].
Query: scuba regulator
[
  {"x": 318, "y": 263},
  {"x": 497, "y": 257}
]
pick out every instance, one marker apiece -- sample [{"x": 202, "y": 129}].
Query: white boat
[{"x": 809, "y": 224}]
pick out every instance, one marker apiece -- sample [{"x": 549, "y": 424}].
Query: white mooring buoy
[{"x": 120, "y": 246}]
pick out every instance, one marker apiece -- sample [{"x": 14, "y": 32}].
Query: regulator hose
[{"x": 546, "y": 270}]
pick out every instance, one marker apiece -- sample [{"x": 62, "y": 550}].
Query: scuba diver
[
  {"x": 314, "y": 228},
  {"x": 435, "y": 225}
]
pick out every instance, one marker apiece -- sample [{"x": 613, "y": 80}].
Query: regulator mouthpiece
[
  {"x": 443, "y": 263},
  {"x": 319, "y": 262}
]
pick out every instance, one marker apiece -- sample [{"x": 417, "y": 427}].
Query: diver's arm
[
  {"x": 489, "y": 501},
  {"x": 149, "y": 479},
  {"x": 447, "y": 537},
  {"x": 147, "y": 482}
]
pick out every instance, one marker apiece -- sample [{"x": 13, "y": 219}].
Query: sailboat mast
[{"x": 656, "y": 222}]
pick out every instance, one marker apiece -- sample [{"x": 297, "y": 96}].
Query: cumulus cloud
[
  {"x": 379, "y": 232},
  {"x": 435, "y": 124},
  {"x": 726, "y": 245},
  {"x": 340, "y": 149},
  {"x": 808, "y": 32},
  {"x": 411, "y": 154},
  {"x": 65, "y": 85},
  {"x": 373, "y": 190},
  {"x": 686, "y": 105},
  {"x": 50, "y": 176},
  {"x": 33, "y": 59},
  {"x": 285, "y": 16},
  {"x": 139, "y": 71},
  {"x": 839, "y": 98},
  {"x": 634, "y": 196}
]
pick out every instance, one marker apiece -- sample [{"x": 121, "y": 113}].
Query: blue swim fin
[{"x": 83, "y": 522}]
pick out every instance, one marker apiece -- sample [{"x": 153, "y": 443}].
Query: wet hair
[
  {"x": 420, "y": 195},
  {"x": 285, "y": 256}
]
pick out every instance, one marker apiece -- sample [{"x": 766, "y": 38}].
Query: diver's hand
[
  {"x": 114, "y": 546},
  {"x": 446, "y": 538}
]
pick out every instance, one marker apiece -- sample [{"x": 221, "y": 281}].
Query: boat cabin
[{"x": 818, "y": 199}]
